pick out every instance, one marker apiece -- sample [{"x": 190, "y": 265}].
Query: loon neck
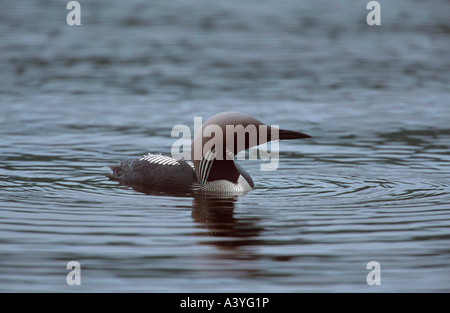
[
  {"x": 224, "y": 169},
  {"x": 219, "y": 170}
]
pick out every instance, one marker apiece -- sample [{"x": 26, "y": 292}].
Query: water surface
[{"x": 371, "y": 185}]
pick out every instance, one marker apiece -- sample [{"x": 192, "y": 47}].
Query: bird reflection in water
[{"x": 215, "y": 214}]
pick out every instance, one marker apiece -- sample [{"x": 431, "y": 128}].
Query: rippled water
[{"x": 371, "y": 185}]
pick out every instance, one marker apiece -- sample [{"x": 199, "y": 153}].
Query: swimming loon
[{"x": 213, "y": 169}]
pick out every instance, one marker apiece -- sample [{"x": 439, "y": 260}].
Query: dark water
[{"x": 371, "y": 185}]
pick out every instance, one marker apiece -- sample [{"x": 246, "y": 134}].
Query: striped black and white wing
[{"x": 158, "y": 171}]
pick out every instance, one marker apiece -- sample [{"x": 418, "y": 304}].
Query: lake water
[{"x": 372, "y": 184}]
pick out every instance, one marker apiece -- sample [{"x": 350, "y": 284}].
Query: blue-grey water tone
[{"x": 371, "y": 185}]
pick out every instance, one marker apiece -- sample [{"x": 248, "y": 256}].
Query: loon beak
[{"x": 290, "y": 134}]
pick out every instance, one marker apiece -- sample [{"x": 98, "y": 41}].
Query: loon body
[
  {"x": 155, "y": 172},
  {"x": 212, "y": 171}
]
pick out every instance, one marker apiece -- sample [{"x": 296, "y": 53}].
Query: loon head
[{"x": 222, "y": 137}]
